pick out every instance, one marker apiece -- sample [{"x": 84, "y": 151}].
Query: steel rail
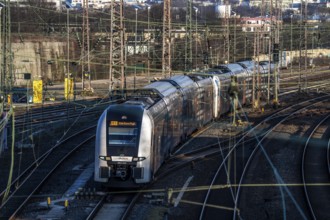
[
  {"x": 19, "y": 208},
  {"x": 96, "y": 208},
  {"x": 303, "y": 163},
  {"x": 259, "y": 144},
  {"x": 254, "y": 129},
  {"x": 328, "y": 155},
  {"x": 34, "y": 166}
]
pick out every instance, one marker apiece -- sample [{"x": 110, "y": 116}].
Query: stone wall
[{"x": 42, "y": 59}]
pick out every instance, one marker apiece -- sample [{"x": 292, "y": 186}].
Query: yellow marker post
[
  {"x": 48, "y": 202},
  {"x": 66, "y": 204},
  {"x": 37, "y": 91},
  {"x": 68, "y": 88},
  {"x": 169, "y": 195},
  {"x": 9, "y": 99}
]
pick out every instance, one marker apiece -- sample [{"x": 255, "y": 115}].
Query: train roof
[
  {"x": 182, "y": 80},
  {"x": 214, "y": 71},
  {"x": 163, "y": 87},
  {"x": 223, "y": 68},
  {"x": 168, "y": 86},
  {"x": 248, "y": 64},
  {"x": 221, "y": 76},
  {"x": 152, "y": 93},
  {"x": 236, "y": 68}
]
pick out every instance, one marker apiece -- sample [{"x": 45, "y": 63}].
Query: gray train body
[{"x": 134, "y": 138}]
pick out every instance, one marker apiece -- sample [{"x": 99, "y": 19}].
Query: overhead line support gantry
[
  {"x": 117, "y": 44},
  {"x": 166, "y": 53}
]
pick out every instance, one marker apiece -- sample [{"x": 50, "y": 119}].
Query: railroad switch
[
  {"x": 85, "y": 193},
  {"x": 156, "y": 198},
  {"x": 164, "y": 198}
]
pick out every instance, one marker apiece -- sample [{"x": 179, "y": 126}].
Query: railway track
[
  {"x": 199, "y": 155},
  {"x": 175, "y": 162},
  {"x": 188, "y": 158},
  {"x": 24, "y": 186},
  {"x": 314, "y": 170},
  {"x": 38, "y": 116},
  {"x": 180, "y": 160},
  {"x": 30, "y": 138},
  {"x": 228, "y": 172},
  {"x": 272, "y": 164},
  {"x": 328, "y": 155},
  {"x": 116, "y": 204}
]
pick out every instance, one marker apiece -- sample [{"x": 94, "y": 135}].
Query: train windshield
[{"x": 123, "y": 136}]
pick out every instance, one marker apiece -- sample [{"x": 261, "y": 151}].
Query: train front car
[{"x": 122, "y": 154}]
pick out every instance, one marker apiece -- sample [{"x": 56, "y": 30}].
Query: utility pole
[
  {"x": 227, "y": 23},
  {"x": 300, "y": 44},
  {"x": 149, "y": 39},
  {"x": 270, "y": 40},
  {"x": 291, "y": 45},
  {"x": 188, "y": 43},
  {"x": 276, "y": 51},
  {"x": 166, "y": 53},
  {"x": 305, "y": 23},
  {"x": 269, "y": 61},
  {"x": 85, "y": 56},
  {"x": 207, "y": 56},
  {"x": 258, "y": 87},
  {"x": 263, "y": 17},
  {"x": 196, "y": 39},
  {"x": 235, "y": 37},
  {"x": 117, "y": 44},
  {"x": 256, "y": 65},
  {"x": 245, "y": 44},
  {"x": 135, "y": 43},
  {"x": 7, "y": 57}
]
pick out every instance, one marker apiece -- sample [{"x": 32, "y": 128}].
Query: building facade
[{"x": 262, "y": 24}]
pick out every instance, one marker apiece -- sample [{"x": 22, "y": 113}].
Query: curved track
[
  {"x": 37, "y": 173},
  {"x": 228, "y": 184},
  {"x": 281, "y": 185},
  {"x": 314, "y": 170}
]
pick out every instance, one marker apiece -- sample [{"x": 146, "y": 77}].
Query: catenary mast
[
  {"x": 85, "y": 56},
  {"x": 188, "y": 55},
  {"x": 117, "y": 44},
  {"x": 166, "y": 53},
  {"x": 6, "y": 61}
]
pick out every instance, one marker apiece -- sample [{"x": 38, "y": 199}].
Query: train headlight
[
  {"x": 105, "y": 158},
  {"x": 137, "y": 159}
]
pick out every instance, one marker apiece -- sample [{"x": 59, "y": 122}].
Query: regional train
[{"x": 133, "y": 138}]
